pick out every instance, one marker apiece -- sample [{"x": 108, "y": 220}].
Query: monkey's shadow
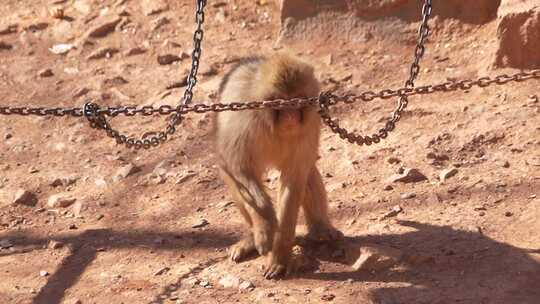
[{"x": 463, "y": 267}]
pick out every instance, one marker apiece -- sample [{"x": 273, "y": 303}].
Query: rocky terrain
[{"x": 446, "y": 210}]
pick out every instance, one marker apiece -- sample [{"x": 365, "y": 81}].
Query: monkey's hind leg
[
  {"x": 315, "y": 207},
  {"x": 256, "y": 208}
]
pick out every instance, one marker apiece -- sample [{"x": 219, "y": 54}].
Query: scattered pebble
[
  {"x": 45, "y": 73},
  {"x": 394, "y": 212},
  {"x": 408, "y": 195},
  {"x": 103, "y": 29},
  {"x": 447, "y": 173},
  {"x": 162, "y": 271},
  {"x": 246, "y": 286},
  {"x": 375, "y": 258},
  {"x": 60, "y": 49},
  {"x": 409, "y": 175},
  {"x": 55, "y": 244},
  {"x": 230, "y": 281},
  {"x": 5, "y": 46},
  {"x": 60, "y": 200},
  {"x": 508, "y": 214},
  {"x": 200, "y": 223},
  {"x": 168, "y": 59},
  {"x": 5, "y": 244},
  {"x": 24, "y": 197},
  {"x": 104, "y": 52},
  {"x": 43, "y": 273},
  {"x": 125, "y": 171},
  {"x": 135, "y": 51}
]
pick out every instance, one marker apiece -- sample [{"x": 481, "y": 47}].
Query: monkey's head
[{"x": 283, "y": 76}]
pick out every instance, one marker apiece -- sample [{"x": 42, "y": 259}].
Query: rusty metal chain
[
  {"x": 97, "y": 120},
  {"x": 97, "y": 115},
  {"x": 403, "y": 100},
  {"x": 333, "y": 99}
]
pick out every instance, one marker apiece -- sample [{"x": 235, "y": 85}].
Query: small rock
[
  {"x": 77, "y": 208},
  {"x": 388, "y": 188},
  {"x": 193, "y": 282},
  {"x": 328, "y": 297},
  {"x": 393, "y": 160},
  {"x": 80, "y": 92},
  {"x": 72, "y": 227},
  {"x": 162, "y": 271},
  {"x": 230, "y": 281},
  {"x": 5, "y": 46},
  {"x": 246, "y": 286},
  {"x": 151, "y": 7},
  {"x": 24, "y": 197},
  {"x": 63, "y": 181},
  {"x": 60, "y": 49},
  {"x": 103, "y": 29},
  {"x": 409, "y": 175},
  {"x": 105, "y": 52},
  {"x": 43, "y": 273},
  {"x": 394, "y": 212},
  {"x": 200, "y": 223},
  {"x": 5, "y": 244},
  {"x": 8, "y": 29},
  {"x": 159, "y": 22},
  {"x": 375, "y": 258},
  {"x": 505, "y": 164},
  {"x": 60, "y": 200},
  {"x": 168, "y": 59},
  {"x": 45, "y": 73},
  {"x": 55, "y": 244},
  {"x": 125, "y": 171},
  {"x": 508, "y": 214},
  {"x": 446, "y": 174},
  {"x": 115, "y": 81},
  {"x": 135, "y": 51},
  {"x": 408, "y": 195},
  {"x": 205, "y": 284}
]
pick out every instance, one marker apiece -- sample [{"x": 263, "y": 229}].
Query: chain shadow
[
  {"x": 465, "y": 267},
  {"x": 84, "y": 248}
]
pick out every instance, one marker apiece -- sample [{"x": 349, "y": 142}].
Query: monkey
[{"x": 251, "y": 142}]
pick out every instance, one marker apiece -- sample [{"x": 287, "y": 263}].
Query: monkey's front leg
[{"x": 291, "y": 195}]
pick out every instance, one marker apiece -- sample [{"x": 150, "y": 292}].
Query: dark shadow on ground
[
  {"x": 465, "y": 267},
  {"x": 84, "y": 248}
]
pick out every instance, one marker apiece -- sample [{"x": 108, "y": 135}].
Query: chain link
[
  {"x": 97, "y": 116},
  {"x": 403, "y": 100},
  {"x": 97, "y": 119}
]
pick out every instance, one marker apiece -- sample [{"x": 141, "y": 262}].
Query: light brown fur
[{"x": 249, "y": 143}]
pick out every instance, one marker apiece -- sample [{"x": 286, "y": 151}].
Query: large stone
[
  {"x": 311, "y": 19},
  {"x": 518, "y": 35}
]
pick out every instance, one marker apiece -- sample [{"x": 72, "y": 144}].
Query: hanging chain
[
  {"x": 403, "y": 101},
  {"x": 97, "y": 116},
  {"x": 97, "y": 119}
]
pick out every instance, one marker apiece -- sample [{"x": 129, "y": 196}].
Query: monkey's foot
[
  {"x": 263, "y": 239},
  {"x": 320, "y": 232},
  {"x": 242, "y": 249}
]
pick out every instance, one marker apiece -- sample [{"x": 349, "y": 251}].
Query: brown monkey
[{"x": 251, "y": 142}]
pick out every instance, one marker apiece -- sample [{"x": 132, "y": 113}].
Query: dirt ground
[{"x": 159, "y": 233}]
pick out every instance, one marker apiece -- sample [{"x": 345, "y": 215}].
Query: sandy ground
[{"x": 472, "y": 238}]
